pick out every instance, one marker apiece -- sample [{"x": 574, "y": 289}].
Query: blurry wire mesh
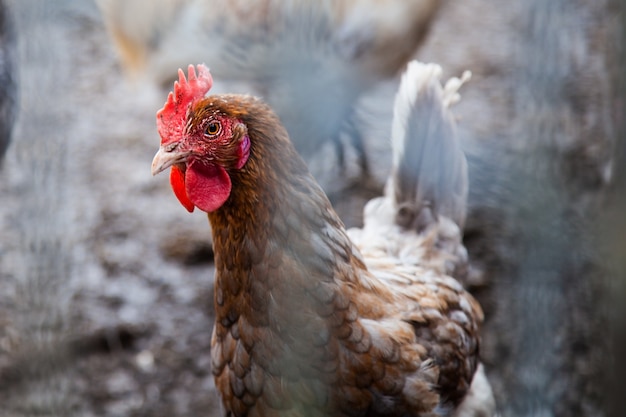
[
  {"x": 36, "y": 305},
  {"x": 550, "y": 175}
]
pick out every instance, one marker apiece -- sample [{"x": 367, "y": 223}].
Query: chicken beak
[{"x": 165, "y": 158}]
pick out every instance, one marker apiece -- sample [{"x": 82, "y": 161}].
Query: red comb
[{"x": 171, "y": 118}]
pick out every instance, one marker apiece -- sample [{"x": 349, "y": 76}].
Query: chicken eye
[{"x": 213, "y": 129}]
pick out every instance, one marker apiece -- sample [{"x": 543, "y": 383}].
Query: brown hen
[{"x": 312, "y": 319}]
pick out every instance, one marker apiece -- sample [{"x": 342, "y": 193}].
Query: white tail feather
[{"x": 429, "y": 166}]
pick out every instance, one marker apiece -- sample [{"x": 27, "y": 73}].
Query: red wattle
[
  {"x": 208, "y": 186},
  {"x": 177, "y": 180}
]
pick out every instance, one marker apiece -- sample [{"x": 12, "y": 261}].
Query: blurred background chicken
[{"x": 310, "y": 60}]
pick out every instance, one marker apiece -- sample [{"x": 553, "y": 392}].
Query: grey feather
[{"x": 429, "y": 177}]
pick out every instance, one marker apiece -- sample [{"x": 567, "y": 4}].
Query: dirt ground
[{"x": 106, "y": 281}]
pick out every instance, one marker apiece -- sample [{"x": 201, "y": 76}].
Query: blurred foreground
[{"x": 106, "y": 282}]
